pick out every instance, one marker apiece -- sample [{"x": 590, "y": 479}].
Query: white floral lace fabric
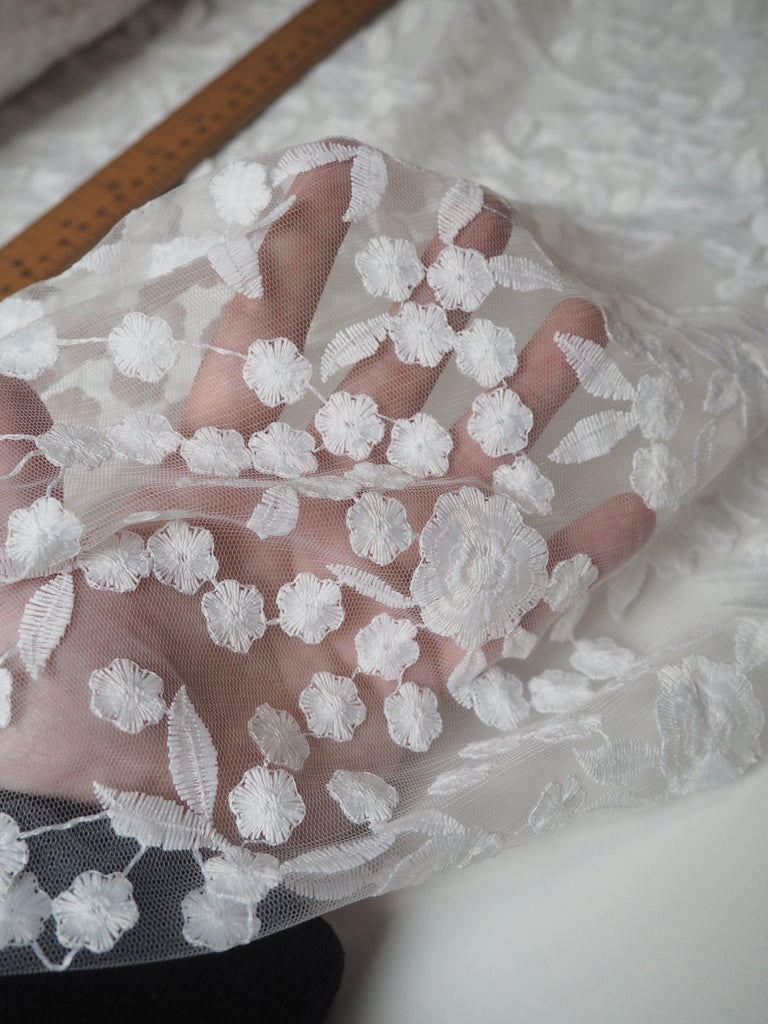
[{"x": 305, "y": 470}]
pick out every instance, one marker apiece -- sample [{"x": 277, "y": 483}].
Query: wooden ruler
[{"x": 160, "y": 159}]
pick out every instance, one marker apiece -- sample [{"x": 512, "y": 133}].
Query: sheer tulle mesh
[{"x": 306, "y": 468}]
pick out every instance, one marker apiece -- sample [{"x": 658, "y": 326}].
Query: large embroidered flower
[
  {"x": 481, "y": 567},
  {"x": 526, "y": 484},
  {"x": 363, "y": 797},
  {"x": 13, "y": 851},
  {"x": 234, "y": 615},
  {"x": 217, "y": 923},
  {"x": 570, "y": 581},
  {"x": 332, "y": 707},
  {"x": 657, "y": 476},
  {"x": 497, "y": 699},
  {"x": 117, "y": 565},
  {"x": 710, "y": 722},
  {"x": 241, "y": 875},
  {"x": 276, "y": 371},
  {"x": 386, "y": 646},
  {"x": 500, "y": 423},
  {"x": 389, "y": 266},
  {"x": 142, "y": 346},
  {"x": 421, "y": 334},
  {"x": 24, "y": 908},
  {"x": 657, "y": 407},
  {"x": 240, "y": 191},
  {"x": 144, "y": 437},
  {"x": 128, "y": 696},
  {"x": 460, "y": 278},
  {"x": 27, "y": 351},
  {"x": 486, "y": 352},
  {"x": 278, "y": 736},
  {"x": 378, "y": 527},
  {"x": 412, "y": 717},
  {"x": 6, "y": 685},
  {"x": 350, "y": 425},
  {"x": 183, "y": 556},
  {"x": 267, "y": 805},
  {"x": 42, "y": 536},
  {"x": 282, "y": 451},
  {"x": 310, "y": 608},
  {"x": 72, "y": 446},
  {"x": 95, "y": 911},
  {"x": 420, "y": 446},
  {"x": 214, "y": 452}
]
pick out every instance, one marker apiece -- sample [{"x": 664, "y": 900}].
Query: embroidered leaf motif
[
  {"x": 276, "y": 514},
  {"x": 237, "y": 264},
  {"x": 356, "y": 342},
  {"x": 192, "y": 756},
  {"x": 597, "y": 372},
  {"x": 44, "y": 622},
  {"x": 368, "y": 178},
  {"x": 593, "y": 436},
  {"x": 335, "y": 872},
  {"x": 523, "y": 274},
  {"x": 368, "y": 585},
  {"x": 460, "y": 204},
  {"x": 153, "y": 821},
  {"x": 751, "y": 645},
  {"x": 311, "y": 154},
  {"x": 618, "y": 763}
]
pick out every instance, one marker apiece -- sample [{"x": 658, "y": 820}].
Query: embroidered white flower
[
  {"x": 710, "y": 722},
  {"x": 282, "y": 451},
  {"x": 276, "y": 371},
  {"x": 16, "y": 312},
  {"x": 389, "y": 266},
  {"x": 412, "y": 717},
  {"x": 27, "y": 351},
  {"x": 144, "y": 437},
  {"x": 95, "y": 911},
  {"x": 378, "y": 528},
  {"x": 570, "y": 581},
  {"x": 143, "y": 347},
  {"x": 310, "y": 608},
  {"x": 217, "y": 923},
  {"x": 24, "y": 908},
  {"x": 500, "y": 423},
  {"x": 481, "y": 567},
  {"x": 240, "y": 191},
  {"x": 241, "y": 875},
  {"x": 182, "y": 556},
  {"x": 420, "y": 446},
  {"x": 350, "y": 425},
  {"x": 118, "y": 565},
  {"x": 486, "y": 352},
  {"x": 42, "y": 536},
  {"x": 526, "y": 484},
  {"x": 128, "y": 696},
  {"x": 214, "y": 452},
  {"x": 73, "y": 447},
  {"x": 13, "y": 851},
  {"x": 460, "y": 278},
  {"x": 421, "y": 334},
  {"x": 363, "y": 797},
  {"x": 6, "y": 685},
  {"x": 657, "y": 407},
  {"x": 332, "y": 707},
  {"x": 234, "y": 615},
  {"x": 657, "y": 476},
  {"x": 278, "y": 736},
  {"x": 386, "y": 647},
  {"x": 558, "y": 804},
  {"x": 497, "y": 699},
  {"x": 267, "y": 805}
]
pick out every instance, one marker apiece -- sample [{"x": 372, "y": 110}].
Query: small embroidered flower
[
  {"x": 526, "y": 484},
  {"x": 500, "y": 423},
  {"x": 240, "y": 191},
  {"x": 13, "y": 851},
  {"x": 570, "y": 581},
  {"x": 16, "y": 312},
  {"x": 234, "y": 615},
  {"x": 241, "y": 875},
  {"x": 118, "y": 565},
  {"x": 657, "y": 407},
  {"x": 386, "y": 647},
  {"x": 128, "y": 696},
  {"x": 183, "y": 556},
  {"x": 267, "y": 805},
  {"x": 278, "y": 737},
  {"x": 363, "y": 797},
  {"x": 42, "y": 536},
  {"x": 142, "y": 347},
  {"x": 276, "y": 371},
  {"x": 558, "y": 692},
  {"x": 421, "y": 334},
  {"x": 282, "y": 451},
  {"x": 144, "y": 437},
  {"x": 217, "y": 923},
  {"x": 657, "y": 476},
  {"x": 213, "y": 452},
  {"x": 420, "y": 446},
  {"x": 481, "y": 567},
  {"x": 378, "y": 528},
  {"x": 412, "y": 717},
  {"x": 310, "y": 608},
  {"x": 95, "y": 911},
  {"x": 24, "y": 908},
  {"x": 460, "y": 278},
  {"x": 350, "y": 425},
  {"x": 332, "y": 707},
  {"x": 486, "y": 352},
  {"x": 558, "y": 804},
  {"x": 389, "y": 266},
  {"x": 73, "y": 447},
  {"x": 6, "y": 685},
  {"x": 29, "y": 350},
  {"x": 497, "y": 699}
]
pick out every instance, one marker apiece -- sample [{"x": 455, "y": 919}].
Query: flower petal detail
[
  {"x": 657, "y": 476},
  {"x": 183, "y": 556},
  {"x": 13, "y": 851},
  {"x": 213, "y": 452},
  {"x": 350, "y": 425},
  {"x": 310, "y": 608},
  {"x": 378, "y": 528},
  {"x": 118, "y": 565},
  {"x": 72, "y": 446},
  {"x": 276, "y": 371},
  {"x": 500, "y": 423},
  {"x": 460, "y": 278},
  {"x": 240, "y": 191},
  {"x": 278, "y": 736},
  {"x": 234, "y": 615},
  {"x": 217, "y": 923},
  {"x": 497, "y": 699},
  {"x": 389, "y": 266},
  {"x": 412, "y": 717},
  {"x": 526, "y": 484},
  {"x": 267, "y": 805},
  {"x": 95, "y": 911},
  {"x": 420, "y": 446},
  {"x": 332, "y": 707},
  {"x": 570, "y": 581},
  {"x": 386, "y": 647},
  {"x": 282, "y": 451},
  {"x": 142, "y": 347},
  {"x": 144, "y": 437},
  {"x": 128, "y": 696},
  {"x": 42, "y": 536},
  {"x": 363, "y": 797},
  {"x": 421, "y": 334},
  {"x": 486, "y": 352}
]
